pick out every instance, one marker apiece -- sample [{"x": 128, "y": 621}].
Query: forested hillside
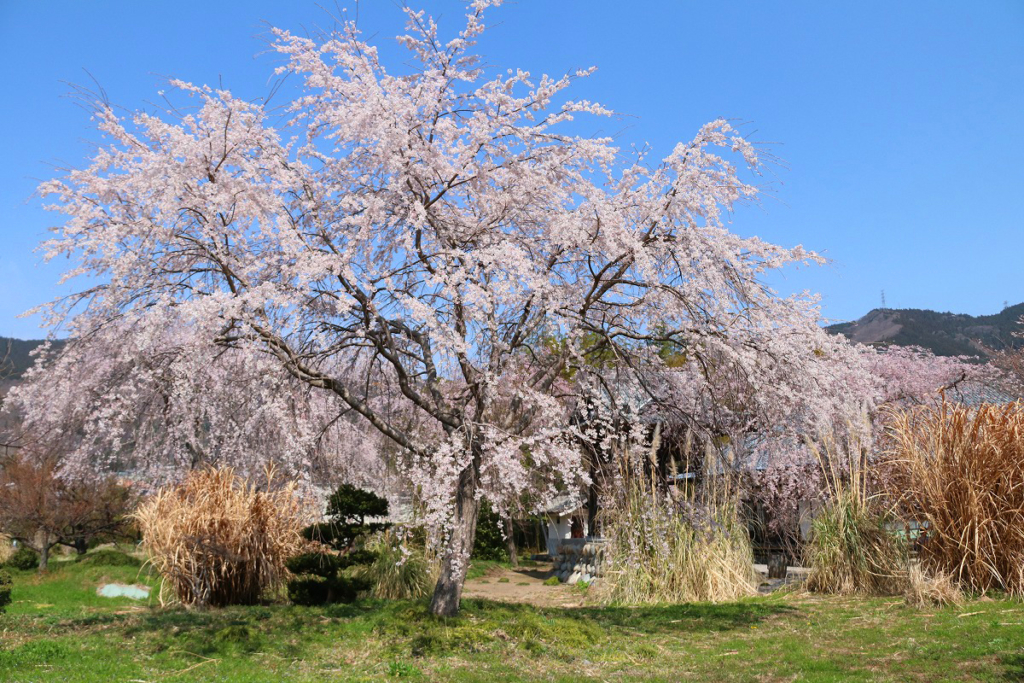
[
  {"x": 16, "y": 356},
  {"x": 946, "y": 334}
]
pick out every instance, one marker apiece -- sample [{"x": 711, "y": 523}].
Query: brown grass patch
[
  {"x": 960, "y": 472},
  {"x": 217, "y": 539},
  {"x": 931, "y": 590},
  {"x": 6, "y": 548}
]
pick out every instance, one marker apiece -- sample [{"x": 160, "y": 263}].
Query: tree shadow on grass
[
  {"x": 218, "y": 632},
  {"x": 654, "y": 619},
  {"x": 380, "y": 615},
  {"x": 1014, "y": 667},
  {"x": 277, "y": 616},
  {"x": 406, "y": 627}
]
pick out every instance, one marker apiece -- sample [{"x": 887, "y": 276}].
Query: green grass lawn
[{"x": 58, "y": 629}]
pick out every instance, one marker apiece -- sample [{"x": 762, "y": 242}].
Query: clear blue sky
[{"x": 901, "y": 123}]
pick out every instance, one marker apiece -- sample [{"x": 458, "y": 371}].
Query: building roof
[{"x": 564, "y": 504}]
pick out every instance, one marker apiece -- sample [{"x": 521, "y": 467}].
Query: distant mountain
[
  {"x": 946, "y": 334},
  {"x": 15, "y": 356}
]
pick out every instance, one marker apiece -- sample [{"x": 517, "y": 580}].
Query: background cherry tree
[
  {"x": 156, "y": 403},
  {"x": 879, "y": 380},
  {"x": 408, "y": 246}
]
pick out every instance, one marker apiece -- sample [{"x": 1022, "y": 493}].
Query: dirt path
[
  {"x": 526, "y": 585},
  {"x": 522, "y": 585}
]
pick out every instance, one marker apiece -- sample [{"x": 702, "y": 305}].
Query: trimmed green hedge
[
  {"x": 5, "y": 590},
  {"x": 24, "y": 558},
  {"x": 109, "y": 558}
]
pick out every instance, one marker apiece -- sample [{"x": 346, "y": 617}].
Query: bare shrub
[
  {"x": 959, "y": 471},
  {"x": 219, "y": 540},
  {"x": 42, "y": 509}
]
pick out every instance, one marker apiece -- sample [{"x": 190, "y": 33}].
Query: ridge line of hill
[{"x": 945, "y": 334}]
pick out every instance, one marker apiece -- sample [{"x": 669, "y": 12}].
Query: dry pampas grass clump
[
  {"x": 401, "y": 570},
  {"x": 670, "y": 551},
  {"x": 854, "y": 548},
  {"x": 959, "y": 472},
  {"x": 6, "y": 548},
  {"x": 853, "y": 551},
  {"x": 217, "y": 539},
  {"x": 938, "y": 589}
]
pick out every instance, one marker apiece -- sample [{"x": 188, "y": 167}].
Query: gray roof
[
  {"x": 973, "y": 394},
  {"x": 564, "y": 504}
]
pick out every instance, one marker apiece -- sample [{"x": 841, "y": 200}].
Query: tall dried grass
[
  {"x": 217, "y": 539},
  {"x": 664, "y": 550},
  {"x": 929, "y": 590},
  {"x": 960, "y": 472},
  {"x": 853, "y": 548},
  {"x": 6, "y": 548}
]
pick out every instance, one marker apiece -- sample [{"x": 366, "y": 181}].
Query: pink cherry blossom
[{"x": 424, "y": 273}]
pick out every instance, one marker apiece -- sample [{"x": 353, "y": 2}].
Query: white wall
[{"x": 559, "y": 529}]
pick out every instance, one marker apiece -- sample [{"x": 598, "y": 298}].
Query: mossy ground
[{"x": 59, "y": 629}]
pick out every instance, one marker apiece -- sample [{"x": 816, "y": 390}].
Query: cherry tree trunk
[
  {"x": 44, "y": 551},
  {"x": 455, "y": 563},
  {"x": 510, "y": 540}
]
